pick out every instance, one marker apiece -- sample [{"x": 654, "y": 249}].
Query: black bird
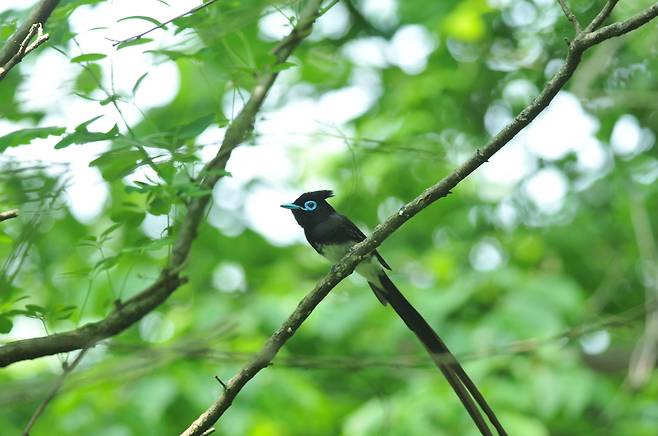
[{"x": 332, "y": 235}]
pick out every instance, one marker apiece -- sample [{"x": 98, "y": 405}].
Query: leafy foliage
[{"x": 543, "y": 298}]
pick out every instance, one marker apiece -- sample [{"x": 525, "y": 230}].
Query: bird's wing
[{"x": 357, "y": 235}]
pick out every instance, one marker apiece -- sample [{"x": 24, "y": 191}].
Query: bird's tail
[{"x": 441, "y": 355}]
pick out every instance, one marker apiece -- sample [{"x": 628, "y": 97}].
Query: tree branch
[
  {"x": 569, "y": 14},
  {"x": 7, "y": 215},
  {"x": 10, "y": 55},
  {"x": 134, "y": 309},
  {"x": 25, "y": 48},
  {"x": 622, "y": 27},
  {"x": 347, "y": 264},
  {"x": 603, "y": 14}
]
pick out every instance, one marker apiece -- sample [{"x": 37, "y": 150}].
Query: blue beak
[{"x": 291, "y": 206}]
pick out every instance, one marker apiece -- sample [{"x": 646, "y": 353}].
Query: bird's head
[{"x": 311, "y": 208}]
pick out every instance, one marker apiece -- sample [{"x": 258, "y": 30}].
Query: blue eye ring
[{"x": 310, "y": 205}]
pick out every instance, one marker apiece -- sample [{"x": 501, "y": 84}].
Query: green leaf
[
  {"x": 89, "y": 57},
  {"x": 110, "y": 99},
  {"x": 186, "y": 22},
  {"x": 134, "y": 42},
  {"x": 129, "y": 214},
  {"x": 159, "y": 205},
  {"x": 65, "y": 312},
  {"x": 106, "y": 263},
  {"x": 84, "y": 136},
  {"x": 117, "y": 163},
  {"x": 149, "y": 245},
  {"x": 201, "y": 54},
  {"x": 142, "y": 188},
  {"x": 139, "y": 82},
  {"x": 5, "y": 324},
  {"x": 282, "y": 66},
  {"x": 25, "y": 136},
  {"x": 107, "y": 232},
  {"x": 141, "y": 17},
  {"x": 129, "y": 217},
  {"x": 5, "y": 239},
  {"x": 196, "y": 127},
  {"x": 88, "y": 79},
  {"x": 34, "y": 309},
  {"x": 82, "y": 127},
  {"x": 7, "y": 30}
]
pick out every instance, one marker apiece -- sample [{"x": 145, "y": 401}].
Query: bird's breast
[{"x": 334, "y": 252}]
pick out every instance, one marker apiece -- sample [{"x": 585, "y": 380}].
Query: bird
[{"x": 332, "y": 235}]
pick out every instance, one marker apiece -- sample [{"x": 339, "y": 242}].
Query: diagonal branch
[
  {"x": 603, "y": 14},
  {"x": 348, "y": 263},
  {"x": 10, "y": 54},
  {"x": 622, "y": 27},
  {"x": 133, "y": 310},
  {"x": 25, "y": 48}
]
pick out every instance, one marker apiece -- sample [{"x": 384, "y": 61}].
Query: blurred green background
[{"x": 540, "y": 271}]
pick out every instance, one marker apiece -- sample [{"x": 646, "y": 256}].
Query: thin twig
[
  {"x": 13, "y": 213},
  {"x": 67, "y": 369},
  {"x": 348, "y": 263},
  {"x": 161, "y": 25},
  {"x": 110, "y": 96},
  {"x": 569, "y": 14},
  {"x": 603, "y": 14}
]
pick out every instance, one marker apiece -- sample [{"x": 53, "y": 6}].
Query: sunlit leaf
[
  {"x": 141, "y": 17},
  {"x": 84, "y": 136},
  {"x": 138, "y": 83},
  {"x": 25, "y": 136},
  {"x": 118, "y": 163},
  {"x": 134, "y": 42},
  {"x": 88, "y": 57},
  {"x": 5, "y": 324}
]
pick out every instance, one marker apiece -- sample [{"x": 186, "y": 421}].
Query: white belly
[{"x": 368, "y": 269}]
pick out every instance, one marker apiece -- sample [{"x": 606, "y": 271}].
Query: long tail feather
[{"x": 461, "y": 383}]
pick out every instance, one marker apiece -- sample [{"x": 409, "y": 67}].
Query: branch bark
[
  {"x": 9, "y": 214},
  {"x": 10, "y": 55},
  {"x": 603, "y": 14},
  {"x": 137, "y": 307},
  {"x": 347, "y": 264},
  {"x": 570, "y": 15}
]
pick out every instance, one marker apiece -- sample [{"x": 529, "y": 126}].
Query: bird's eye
[{"x": 310, "y": 205}]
